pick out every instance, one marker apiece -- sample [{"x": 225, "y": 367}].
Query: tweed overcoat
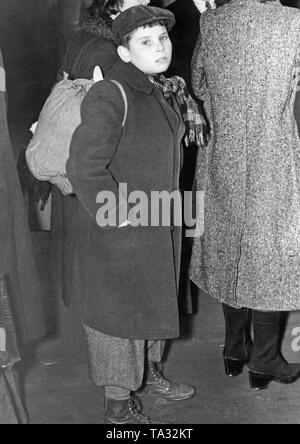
[
  {"x": 16, "y": 252},
  {"x": 245, "y": 69},
  {"x": 125, "y": 280}
]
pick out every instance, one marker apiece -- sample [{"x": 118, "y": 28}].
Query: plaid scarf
[{"x": 175, "y": 88}]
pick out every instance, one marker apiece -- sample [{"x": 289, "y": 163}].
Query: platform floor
[
  {"x": 63, "y": 394},
  {"x": 58, "y": 389}
]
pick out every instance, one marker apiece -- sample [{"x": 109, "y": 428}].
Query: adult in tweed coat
[{"x": 245, "y": 70}]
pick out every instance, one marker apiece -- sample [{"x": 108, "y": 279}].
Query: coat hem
[
  {"x": 160, "y": 335},
  {"x": 244, "y": 304}
]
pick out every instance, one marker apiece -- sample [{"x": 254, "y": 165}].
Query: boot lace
[
  {"x": 160, "y": 379},
  {"x": 134, "y": 410}
]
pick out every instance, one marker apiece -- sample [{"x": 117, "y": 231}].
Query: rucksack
[{"x": 49, "y": 148}]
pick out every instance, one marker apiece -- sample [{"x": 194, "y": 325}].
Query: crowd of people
[{"x": 123, "y": 279}]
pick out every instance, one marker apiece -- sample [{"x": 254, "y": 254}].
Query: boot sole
[
  {"x": 261, "y": 381},
  {"x": 234, "y": 367},
  {"x": 120, "y": 423},
  {"x": 160, "y": 398}
]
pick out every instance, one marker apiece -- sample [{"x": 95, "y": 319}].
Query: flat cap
[{"x": 137, "y": 16}]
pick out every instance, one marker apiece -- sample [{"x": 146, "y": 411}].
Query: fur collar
[{"x": 100, "y": 27}]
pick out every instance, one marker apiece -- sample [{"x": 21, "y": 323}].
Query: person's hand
[{"x": 203, "y": 5}]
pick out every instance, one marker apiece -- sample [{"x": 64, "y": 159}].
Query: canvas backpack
[{"x": 49, "y": 148}]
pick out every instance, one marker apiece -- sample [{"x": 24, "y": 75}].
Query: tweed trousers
[{"x": 120, "y": 362}]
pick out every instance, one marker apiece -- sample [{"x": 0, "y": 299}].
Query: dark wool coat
[
  {"x": 92, "y": 46},
  {"x": 245, "y": 69},
  {"x": 16, "y": 253},
  {"x": 125, "y": 280}
]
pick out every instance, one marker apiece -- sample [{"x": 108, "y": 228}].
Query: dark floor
[{"x": 63, "y": 393}]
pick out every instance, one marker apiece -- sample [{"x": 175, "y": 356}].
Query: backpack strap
[{"x": 122, "y": 91}]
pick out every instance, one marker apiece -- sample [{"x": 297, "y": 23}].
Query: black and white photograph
[{"x": 149, "y": 215}]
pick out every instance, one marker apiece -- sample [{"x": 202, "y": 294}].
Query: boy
[{"x": 126, "y": 292}]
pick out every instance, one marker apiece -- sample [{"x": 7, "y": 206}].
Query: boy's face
[
  {"x": 150, "y": 50},
  {"x": 131, "y": 3}
]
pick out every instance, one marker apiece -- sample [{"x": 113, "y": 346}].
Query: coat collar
[
  {"x": 133, "y": 76},
  {"x": 99, "y": 27}
]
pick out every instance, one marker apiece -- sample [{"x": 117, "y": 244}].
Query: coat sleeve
[
  {"x": 93, "y": 147},
  {"x": 198, "y": 73}
]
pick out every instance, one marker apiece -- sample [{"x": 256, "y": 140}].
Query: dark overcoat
[
  {"x": 92, "y": 46},
  {"x": 125, "y": 280},
  {"x": 245, "y": 69},
  {"x": 16, "y": 252}
]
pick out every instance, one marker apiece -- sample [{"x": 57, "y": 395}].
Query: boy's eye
[
  {"x": 146, "y": 42},
  {"x": 165, "y": 37}
]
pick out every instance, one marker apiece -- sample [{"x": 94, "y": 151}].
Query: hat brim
[
  {"x": 158, "y": 15},
  {"x": 170, "y": 23}
]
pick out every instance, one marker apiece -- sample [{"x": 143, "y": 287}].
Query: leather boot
[
  {"x": 123, "y": 412},
  {"x": 267, "y": 363},
  {"x": 157, "y": 386},
  {"x": 237, "y": 339}
]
